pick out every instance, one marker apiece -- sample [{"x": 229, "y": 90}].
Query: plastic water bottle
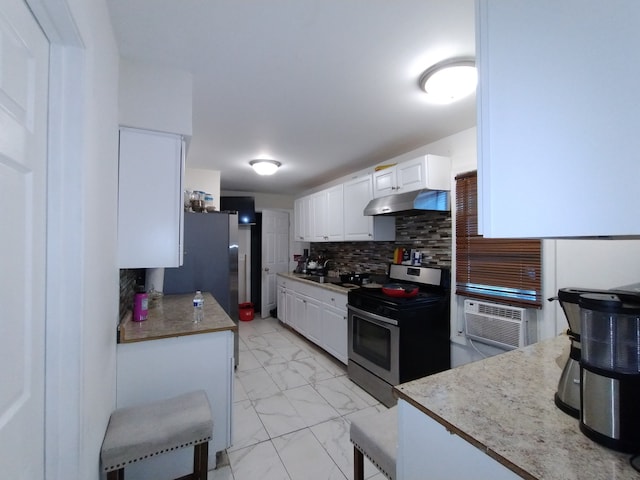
[{"x": 198, "y": 307}]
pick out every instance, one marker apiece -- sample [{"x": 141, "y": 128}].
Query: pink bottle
[{"x": 140, "y": 307}]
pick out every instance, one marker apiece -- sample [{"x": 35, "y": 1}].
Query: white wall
[
  {"x": 204, "y": 180},
  {"x": 155, "y": 98},
  {"x": 264, "y": 201}
]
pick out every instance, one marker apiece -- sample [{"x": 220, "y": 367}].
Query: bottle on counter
[
  {"x": 198, "y": 307},
  {"x": 140, "y": 305}
]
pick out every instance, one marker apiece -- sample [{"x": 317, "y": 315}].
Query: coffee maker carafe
[
  {"x": 567, "y": 397},
  {"x": 610, "y": 369}
]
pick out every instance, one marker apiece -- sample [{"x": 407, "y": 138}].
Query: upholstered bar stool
[
  {"x": 376, "y": 437},
  {"x": 140, "y": 432}
]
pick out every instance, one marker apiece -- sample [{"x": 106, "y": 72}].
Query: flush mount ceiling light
[
  {"x": 265, "y": 167},
  {"x": 449, "y": 80}
]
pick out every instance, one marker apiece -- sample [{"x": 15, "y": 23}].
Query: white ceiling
[{"x": 326, "y": 87}]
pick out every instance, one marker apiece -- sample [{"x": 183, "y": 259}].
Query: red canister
[{"x": 140, "y": 306}]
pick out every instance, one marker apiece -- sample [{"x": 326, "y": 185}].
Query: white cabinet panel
[
  {"x": 334, "y": 338},
  {"x": 448, "y": 457},
  {"x": 327, "y": 215},
  {"x": 313, "y": 313},
  {"x": 384, "y": 182},
  {"x": 558, "y": 118},
  {"x": 357, "y": 226},
  {"x": 150, "y": 199},
  {"x": 282, "y": 303},
  {"x": 427, "y": 171}
]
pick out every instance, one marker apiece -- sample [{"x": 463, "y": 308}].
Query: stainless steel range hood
[{"x": 410, "y": 202}]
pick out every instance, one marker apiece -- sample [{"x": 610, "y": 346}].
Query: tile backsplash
[
  {"x": 129, "y": 278},
  {"x": 430, "y": 233}
]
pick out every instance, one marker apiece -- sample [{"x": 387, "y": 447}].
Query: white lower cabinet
[
  {"x": 313, "y": 318},
  {"x": 299, "y": 311},
  {"x": 157, "y": 369},
  {"x": 334, "y": 323},
  {"x": 317, "y": 313},
  {"x": 282, "y": 302}
]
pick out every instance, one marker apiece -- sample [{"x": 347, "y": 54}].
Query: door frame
[{"x": 64, "y": 298}]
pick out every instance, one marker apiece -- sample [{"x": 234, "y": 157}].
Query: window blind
[{"x": 507, "y": 270}]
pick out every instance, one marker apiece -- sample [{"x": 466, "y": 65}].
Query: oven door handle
[{"x": 372, "y": 316}]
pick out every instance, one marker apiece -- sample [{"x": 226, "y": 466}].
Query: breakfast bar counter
[
  {"x": 496, "y": 418},
  {"x": 168, "y": 355},
  {"x": 171, "y": 316}
]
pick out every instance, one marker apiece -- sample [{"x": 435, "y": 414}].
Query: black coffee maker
[{"x": 610, "y": 369}]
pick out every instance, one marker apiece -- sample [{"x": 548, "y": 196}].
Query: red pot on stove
[{"x": 400, "y": 290}]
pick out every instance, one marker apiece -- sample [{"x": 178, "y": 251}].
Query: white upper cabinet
[
  {"x": 327, "y": 211},
  {"x": 357, "y": 226},
  {"x": 558, "y": 118},
  {"x": 150, "y": 199},
  {"x": 427, "y": 171},
  {"x": 303, "y": 214}
]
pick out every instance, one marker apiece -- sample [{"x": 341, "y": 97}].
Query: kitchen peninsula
[
  {"x": 167, "y": 355},
  {"x": 496, "y": 419}
]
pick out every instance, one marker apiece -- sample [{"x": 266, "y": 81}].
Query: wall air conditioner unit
[{"x": 500, "y": 325}]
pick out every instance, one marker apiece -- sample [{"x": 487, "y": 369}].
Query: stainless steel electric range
[{"x": 392, "y": 339}]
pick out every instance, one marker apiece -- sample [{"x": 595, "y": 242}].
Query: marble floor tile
[
  {"x": 239, "y": 393},
  {"x": 276, "y": 339},
  {"x": 310, "y": 405},
  {"x": 247, "y": 427},
  {"x": 257, "y": 383},
  {"x": 268, "y": 355},
  {"x": 334, "y": 366},
  {"x": 292, "y": 409},
  {"x": 284, "y": 376},
  {"x": 334, "y": 437},
  {"x": 304, "y": 458},
  {"x": 341, "y": 395},
  {"x": 278, "y": 415},
  {"x": 247, "y": 361},
  {"x": 259, "y": 461},
  {"x": 223, "y": 473},
  {"x": 311, "y": 369},
  {"x": 295, "y": 351}
]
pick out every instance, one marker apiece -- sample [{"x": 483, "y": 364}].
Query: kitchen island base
[
  {"x": 427, "y": 450},
  {"x": 167, "y": 367}
]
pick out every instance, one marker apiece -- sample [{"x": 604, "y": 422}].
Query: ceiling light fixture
[
  {"x": 449, "y": 80},
  {"x": 265, "y": 167}
]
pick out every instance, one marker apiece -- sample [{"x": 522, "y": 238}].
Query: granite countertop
[
  {"x": 326, "y": 285},
  {"x": 504, "y": 406},
  {"x": 171, "y": 316}
]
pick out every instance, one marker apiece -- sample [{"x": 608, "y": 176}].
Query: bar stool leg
[
  {"x": 358, "y": 464},
  {"x": 116, "y": 474},
  {"x": 201, "y": 461}
]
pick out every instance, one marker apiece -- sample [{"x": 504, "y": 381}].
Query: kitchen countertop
[
  {"x": 504, "y": 406},
  {"x": 327, "y": 285},
  {"x": 172, "y": 316}
]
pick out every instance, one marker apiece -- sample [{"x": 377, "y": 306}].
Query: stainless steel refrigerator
[{"x": 210, "y": 262}]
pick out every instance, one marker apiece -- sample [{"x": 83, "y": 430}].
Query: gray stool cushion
[
  {"x": 376, "y": 436},
  {"x": 139, "y": 432}
]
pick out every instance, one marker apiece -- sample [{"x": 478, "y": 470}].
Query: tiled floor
[{"x": 292, "y": 408}]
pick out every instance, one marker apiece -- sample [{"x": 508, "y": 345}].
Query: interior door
[
  {"x": 24, "y": 66},
  {"x": 275, "y": 256}
]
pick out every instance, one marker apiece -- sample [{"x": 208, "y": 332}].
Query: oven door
[{"x": 374, "y": 344}]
